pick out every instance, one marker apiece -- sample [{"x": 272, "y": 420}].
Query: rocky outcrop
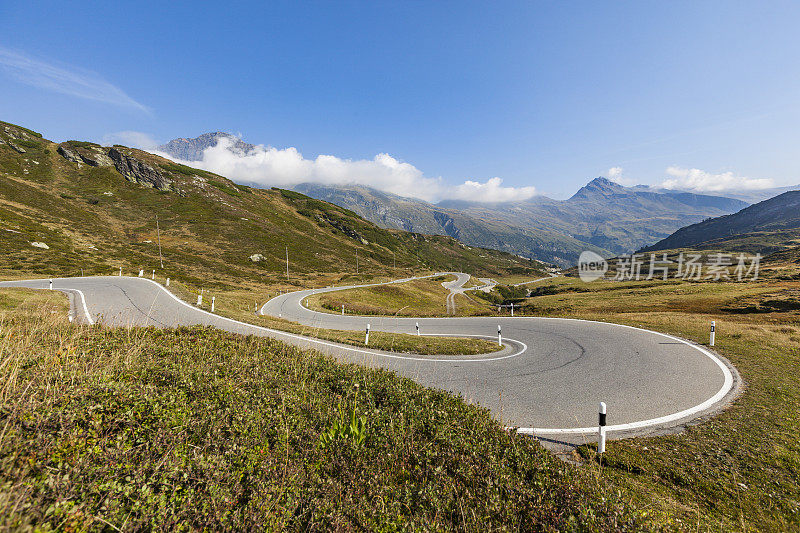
[
  {"x": 69, "y": 154},
  {"x": 255, "y": 258},
  {"x": 41, "y": 245},
  {"x": 138, "y": 171},
  {"x": 95, "y": 157},
  {"x": 19, "y": 149}
]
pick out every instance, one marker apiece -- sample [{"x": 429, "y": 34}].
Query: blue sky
[{"x": 698, "y": 95}]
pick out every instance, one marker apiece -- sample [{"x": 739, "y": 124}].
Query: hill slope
[
  {"x": 769, "y": 226},
  {"x": 96, "y": 208}
]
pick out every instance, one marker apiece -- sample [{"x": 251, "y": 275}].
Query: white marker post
[
  {"x": 154, "y": 275},
  {"x": 342, "y": 308},
  {"x": 141, "y": 273},
  {"x": 713, "y": 333},
  {"x": 417, "y": 324},
  {"x": 167, "y": 282},
  {"x": 199, "y": 299},
  {"x": 366, "y": 340},
  {"x": 120, "y": 271},
  {"x": 51, "y": 284},
  {"x": 601, "y": 429},
  {"x": 499, "y": 336},
  {"x": 213, "y": 299},
  {"x": 512, "y": 308}
]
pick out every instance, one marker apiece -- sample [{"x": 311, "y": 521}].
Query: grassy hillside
[
  {"x": 131, "y": 430},
  {"x": 766, "y": 227},
  {"x": 73, "y": 198}
]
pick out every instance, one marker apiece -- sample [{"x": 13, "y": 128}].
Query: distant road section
[{"x": 548, "y": 379}]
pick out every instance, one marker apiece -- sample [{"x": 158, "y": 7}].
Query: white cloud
[
  {"x": 490, "y": 191},
  {"x": 615, "y": 174},
  {"x": 267, "y": 166},
  {"x": 134, "y": 139},
  {"x": 694, "y": 179},
  {"x": 68, "y": 80}
]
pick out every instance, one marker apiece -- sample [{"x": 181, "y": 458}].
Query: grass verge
[
  {"x": 424, "y": 297},
  {"x": 132, "y": 429}
]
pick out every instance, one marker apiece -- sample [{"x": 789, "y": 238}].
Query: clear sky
[{"x": 538, "y": 94}]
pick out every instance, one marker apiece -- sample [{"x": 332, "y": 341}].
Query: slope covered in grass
[
  {"x": 205, "y": 226},
  {"x": 144, "y": 428}
]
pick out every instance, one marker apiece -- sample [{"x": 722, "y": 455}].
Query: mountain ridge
[{"x": 601, "y": 216}]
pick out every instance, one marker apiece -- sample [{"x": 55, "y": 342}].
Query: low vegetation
[
  {"x": 424, "y": 297},
  {"x": 198, "y": 429}
]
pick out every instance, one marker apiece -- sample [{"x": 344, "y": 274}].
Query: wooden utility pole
[
  {"x": 287, "y": 264},
  {"x": 158, "y": 232}
]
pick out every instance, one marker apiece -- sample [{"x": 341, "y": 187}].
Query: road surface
[{"x": 547, "y": 380}]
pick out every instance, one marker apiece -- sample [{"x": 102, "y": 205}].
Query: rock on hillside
[{"x": 138, "y": 171}]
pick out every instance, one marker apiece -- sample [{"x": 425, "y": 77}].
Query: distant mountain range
[
  {"x": 602, "y": 216},
  {"x": 766, "y": 227}
]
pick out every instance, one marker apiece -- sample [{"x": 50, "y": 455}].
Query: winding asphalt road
[{"x": 547, "y": 380}]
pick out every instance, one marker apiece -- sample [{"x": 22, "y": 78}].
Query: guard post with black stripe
[
  {"x": 713, "y": 333},
  {"x": 499, "y": 336},
  {"x": 601, "y": 429}
]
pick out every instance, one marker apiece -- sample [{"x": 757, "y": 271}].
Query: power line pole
[
  {"x": 394, "y": 260},
  {"x": 356, "y": 262},
  {"x": 160, "y": 257},
  {"x": 287, "y": 264}
]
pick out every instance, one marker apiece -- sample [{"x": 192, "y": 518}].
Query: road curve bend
[{"x": 547, "y": 380}]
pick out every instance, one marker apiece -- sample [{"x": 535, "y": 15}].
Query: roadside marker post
[
  {"x": 141, "y": 273},
  {"x": 120, "y": 271},
  {"x": 601, "y": 429},
  {"x": 713, "y": 332},
  {"x": 499, "y": 336},
  {"x": 154, "y": 275},
  {"x": 512, "y": 308},
  {"x": 417, "y": 324},
  {"x": 167, "y": 282},
  {"x": 213, "y": 299},
  {"x": 366, "y": 340},
  {"x": 342, "y": 308},
  {"x": 200, "y": 299},
  {"x": 51, "y": 284}
]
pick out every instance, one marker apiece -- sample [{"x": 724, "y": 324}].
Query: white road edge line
[
  {"x": 85, "y": 309},
  {"x": 721, "y": 393}
]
